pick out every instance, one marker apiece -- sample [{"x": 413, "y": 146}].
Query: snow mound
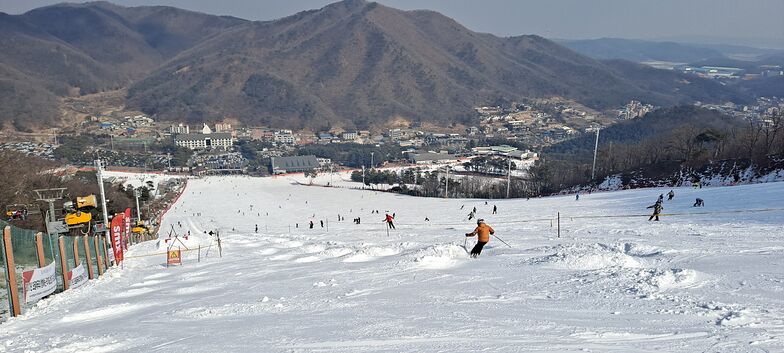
[
  {"x": 312, "y": 248},
  {"x": 371, "y": 252},
  {"x": 593, "y": 256},
  {"x": 669, "y": 278},
  {"x": 335, "y": 252},
  {"x": 440, "y": 256}
]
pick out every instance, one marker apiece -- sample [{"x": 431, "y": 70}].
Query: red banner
[
  {"x": 127, "y": 233},
  {"x": 117, "y": 241}
]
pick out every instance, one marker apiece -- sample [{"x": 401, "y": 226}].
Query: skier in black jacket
[{"x": 657, "y": 208}]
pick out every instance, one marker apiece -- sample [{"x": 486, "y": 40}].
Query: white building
[
  {"x": 349, "y": 136},
  {"x": 180, "y": 129},
  {"x": 284, "y": 136},
  {"x": 207, "y": 139}
]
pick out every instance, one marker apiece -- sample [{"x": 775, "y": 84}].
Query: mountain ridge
[{"x": 352, "y": 63}]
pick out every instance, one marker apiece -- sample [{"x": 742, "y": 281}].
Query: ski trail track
[{"x": 700, "y": 283}]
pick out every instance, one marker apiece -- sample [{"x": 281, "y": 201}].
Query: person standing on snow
[
  {"x": 495, "y": 209},
  {"x": 311, "y": 224},
  {"x": 657, "y": 208},
  {"x": 670, "y": 195},
  {"x": 389, "y": 219},
  {"x": 483, "y": 231}
]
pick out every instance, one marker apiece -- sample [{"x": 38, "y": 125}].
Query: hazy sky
[{"x": 752, "y": 22}]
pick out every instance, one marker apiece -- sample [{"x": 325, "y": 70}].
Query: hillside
[
  {"x": 659, "y": 125},
  {"x": 352, "y": 64},
  {"x": 640, "y": 50},
  {"x": 74, "y": 49},
  {"x": 700, "y": 280},
  {"x": 357, "y": 64}
]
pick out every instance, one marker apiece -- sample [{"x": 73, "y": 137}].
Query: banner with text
[
  {"x": 39, "y": 283},
  {"x": 77, "y": 277},
  {"x": 117, "y": 241},
  {"x": 127, "y": 233}
]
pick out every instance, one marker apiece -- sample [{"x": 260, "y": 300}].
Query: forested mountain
[
  {"x": 640, "y": 50},
  {"x": 352, "y": 63},
  {"x": 72, "y": 49}
]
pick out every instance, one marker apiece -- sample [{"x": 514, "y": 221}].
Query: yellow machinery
[
  {"x": 87, "y": 202},
  {"x": 140, "y": 228},
  {"x": 78, "y": 211},
  {"x": 77, "y": 218}
]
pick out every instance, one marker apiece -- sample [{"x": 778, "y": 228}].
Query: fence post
[
  {"x": 103, "y": 245},
  {"x": 39, "y": 249},
  {"x": 75, "y": 242},
  {"x": 98, "y": 257},
  {"x": 90, "y": 273},
  {"x": 10, "y": 270},
  {"x": 63, "y": 263},
  {"x": 559, "y": 224}
]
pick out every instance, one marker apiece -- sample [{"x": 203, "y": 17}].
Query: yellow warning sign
[{"x": 174, "y": 257}]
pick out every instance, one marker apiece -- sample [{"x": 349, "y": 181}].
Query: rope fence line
[
  {"x": 158, "y": 254},
  {"x": 371, "y": 226}
]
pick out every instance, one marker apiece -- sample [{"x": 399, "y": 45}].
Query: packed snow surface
[{"x": 705, "y": 279}]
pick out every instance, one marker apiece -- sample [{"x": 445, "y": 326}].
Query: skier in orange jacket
[{"x": 483, "y": 231}]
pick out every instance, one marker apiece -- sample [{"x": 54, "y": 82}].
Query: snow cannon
[
  {"x": 77, "y": 212},
  {"x": 78, "y": 218}
]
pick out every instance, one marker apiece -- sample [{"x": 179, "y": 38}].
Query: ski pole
[{"x": 502, "y": 240}]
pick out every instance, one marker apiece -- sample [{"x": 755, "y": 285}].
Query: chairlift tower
[
  {"x": 53, "y": 227},
  {"x": 50, "y": 196}
]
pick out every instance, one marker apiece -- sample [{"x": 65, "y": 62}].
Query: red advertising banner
[
  {"x": 127, "y": 232},
  {"x": 117, "y": 227}
]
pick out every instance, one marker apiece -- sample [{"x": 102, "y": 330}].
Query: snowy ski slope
[{"x": 707, "y": 282}]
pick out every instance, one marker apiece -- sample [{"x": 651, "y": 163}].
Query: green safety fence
[{"x": 26, "y": 258}]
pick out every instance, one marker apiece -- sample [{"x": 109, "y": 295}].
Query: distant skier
[
  {"x": 322, "y": 223},
  {"x": 483, "y": 231},
  {"x": 661, "y": 198},
  {"x": 474, "y": 210},
  {"x": 470, "y": 216},
  {"x": 577, "y": 196},
  {"x": 311, "y": 224},
  {"x": 257, "y": 229},
  {"x": 699, "y": 203},
  {"x": 657, "y": 208},
  {"x": 427, "y": 219},
  {"x": 495, "y": 209},
  {"x": 670, "y": 195},
  {"x": 389, "y": 219},
  {"x": 461, "y": 206}
]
